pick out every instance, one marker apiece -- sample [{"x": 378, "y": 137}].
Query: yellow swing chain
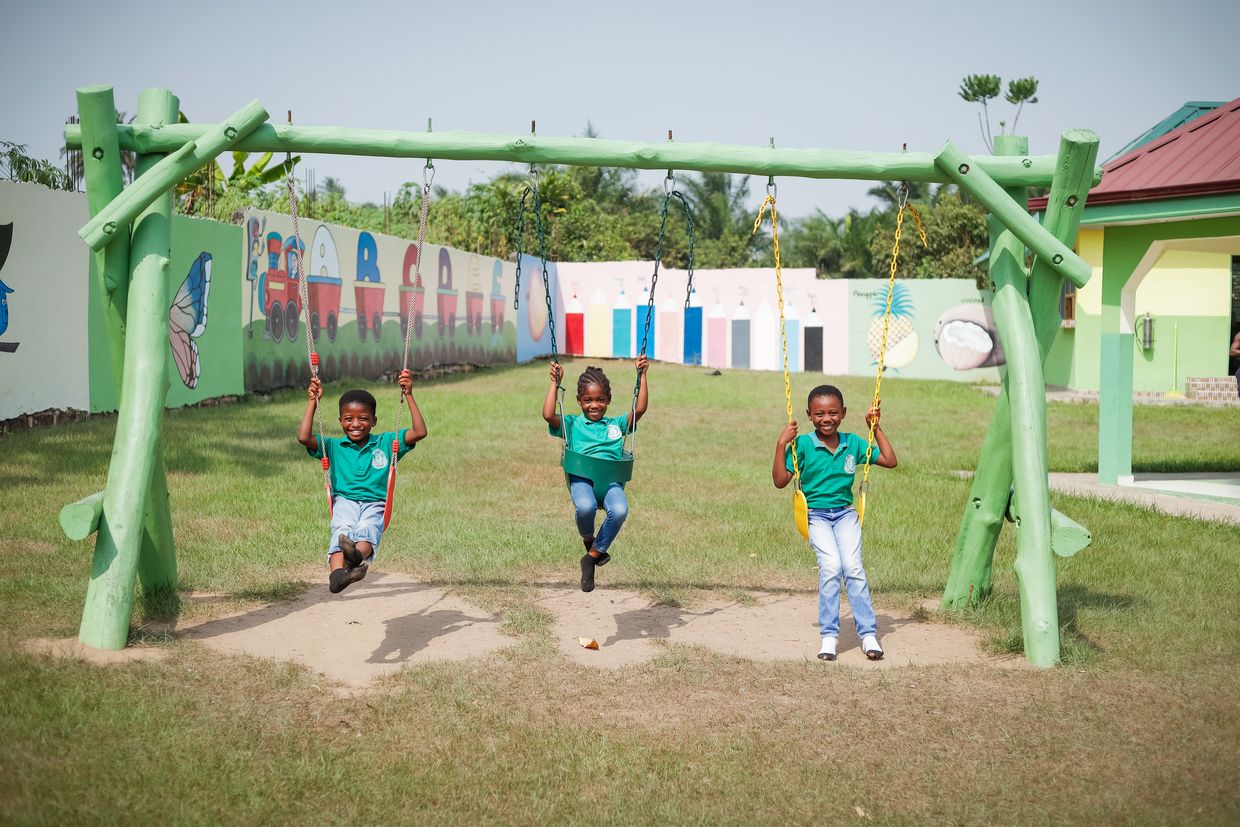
[
  {"x": 783, "y": 331},
  {"x": 882, "y": 348}
]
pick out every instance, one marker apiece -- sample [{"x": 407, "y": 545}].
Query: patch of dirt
[
  {"x": 372, "y": 629},
  {"x": 389, "y": 620},
  {"x": 630, "y": 629},
  {"x": 72, "y": 648}
]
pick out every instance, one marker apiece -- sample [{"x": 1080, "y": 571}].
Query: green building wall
[{"x": 1187, "y": 295}]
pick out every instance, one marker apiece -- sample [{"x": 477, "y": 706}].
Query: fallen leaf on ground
[{"x": 588, "y": 642}]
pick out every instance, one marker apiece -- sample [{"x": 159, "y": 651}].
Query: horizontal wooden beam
[
  {"x": 185, "y": 158},
  {"x": 81, "y": 519},
  {"x": 1031, "y": 171},
  {"x": 970, "y": 175}
]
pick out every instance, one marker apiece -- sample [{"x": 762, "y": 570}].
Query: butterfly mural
[{"x": 187, "y": 319}]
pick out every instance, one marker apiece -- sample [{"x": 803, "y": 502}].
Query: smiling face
[
  {"x": 357, "y": 420},
  {"x": 826, "y": 412},
  {"x": 594, "y": 401}
]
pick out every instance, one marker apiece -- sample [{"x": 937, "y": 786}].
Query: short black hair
[
  {"x": 824, "y": 390},
  {"x": 357, "y": 396},
  {"x": 593, "y": 376}
]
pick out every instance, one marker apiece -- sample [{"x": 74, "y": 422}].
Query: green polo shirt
[
  {"x": 594, "y": 439},
  {"x": 826, "y": 476},
  {"x": 360, "y": 471}
]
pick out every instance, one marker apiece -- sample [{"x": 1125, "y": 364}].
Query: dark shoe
[
  {"x": 601, "y": 560},
  {"x": 587, "y": 573},
  {"x": 352, "y": 557},
  {"x": 340, "y": 579}
]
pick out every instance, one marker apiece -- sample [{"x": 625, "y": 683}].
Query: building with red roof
[{"x": 1162, "y": 230}]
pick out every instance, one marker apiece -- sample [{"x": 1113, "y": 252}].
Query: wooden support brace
[
  {"x": 168, "y": 173},
  {"x": 1032, "y": 171},
  {"x": 81, "y": 519},
  {"x": 970, "y": 177}
]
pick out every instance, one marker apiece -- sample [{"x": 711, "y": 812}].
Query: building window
[{"x": 1067, "y": 305}]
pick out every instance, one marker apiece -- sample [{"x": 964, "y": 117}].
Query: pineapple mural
[{"x": 902, "y": 341}]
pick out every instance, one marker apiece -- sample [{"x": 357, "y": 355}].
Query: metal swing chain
[
  {"x": 303, "y": 292},
  {"x": 670, "y": 192},
  {"x": 428, "y": 176},
  {"x": 783, "y": 330},
  {"x": 903, "y": 206}
]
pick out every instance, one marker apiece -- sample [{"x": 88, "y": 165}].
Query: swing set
[{"x": 129, "y": 232}]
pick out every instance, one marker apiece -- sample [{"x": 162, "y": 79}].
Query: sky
[{"x": 838, "y": 74}]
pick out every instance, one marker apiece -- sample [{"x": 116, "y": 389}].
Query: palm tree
[
  {"x": 73, "y": 157},
  {"x": 332, "y": 187}
]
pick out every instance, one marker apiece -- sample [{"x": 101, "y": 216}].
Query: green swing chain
[{"x": 532, "y": 189}]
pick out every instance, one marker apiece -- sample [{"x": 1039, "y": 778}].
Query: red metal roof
[{"x": 1202, "y": 157}]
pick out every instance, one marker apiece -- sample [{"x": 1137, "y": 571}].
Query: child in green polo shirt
[
  {"x": 829, "y": 460},
  {"x": 359, "y": 471},
  {"x": 595, "y": 434}
]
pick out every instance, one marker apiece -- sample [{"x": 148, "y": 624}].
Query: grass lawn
[{"x": 1140, "y": 724}]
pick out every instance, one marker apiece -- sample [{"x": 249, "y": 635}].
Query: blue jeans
[
  {"x": 357, "y": 521},
  {"x": 835, "y": 536},
  {"x": 615, "y": 504}
]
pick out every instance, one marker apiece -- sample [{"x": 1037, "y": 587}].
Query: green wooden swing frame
[{"x": 130, "y": 235}]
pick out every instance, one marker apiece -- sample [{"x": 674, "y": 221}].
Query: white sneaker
[
  {"x": 869, "y": 645},
  {"x": 827, "y": 652}
]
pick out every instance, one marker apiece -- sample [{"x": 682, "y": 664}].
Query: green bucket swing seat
[{"x": 600, "y": 471}]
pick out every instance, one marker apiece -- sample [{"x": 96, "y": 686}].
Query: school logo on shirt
[
  {"x": 850, "y": 464},
  {"x": 379, "y": 459},
  {"x": 614, "y": 432}
]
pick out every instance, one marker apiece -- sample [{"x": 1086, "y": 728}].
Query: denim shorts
[{"x": 358, "y": 522}]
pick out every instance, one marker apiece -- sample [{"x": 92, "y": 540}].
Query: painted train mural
[{"x": 362, "y": 292}]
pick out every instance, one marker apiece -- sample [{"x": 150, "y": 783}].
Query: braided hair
[{"x": 593, "y": 376}]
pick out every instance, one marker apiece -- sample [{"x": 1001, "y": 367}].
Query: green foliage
[
  {"x": 17, "y": 165},
  {"x": 984, "y": 88},
  {"x": 956, "y": 235}
]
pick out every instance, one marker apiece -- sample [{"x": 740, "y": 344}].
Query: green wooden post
[
  {"x": 1035, "y": 564},
  {"x": 136, "y": 448},
  {"x": 990, "y": 493},
  {"x": 168, "y": 172},
  {"x": 101, "y": 163},
  {"x": 157, "y": 562}
]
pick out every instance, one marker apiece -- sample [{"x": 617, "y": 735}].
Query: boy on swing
[
  {"x": 829, "y": 460},
  {"x": 593, "y": 433},
  {"x": 358, "y": 465}
]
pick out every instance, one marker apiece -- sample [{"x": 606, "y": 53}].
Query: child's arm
[
  {"x": 417, "y": 430},
  {"x": 548, "y": 411},
  {"x": 887, "y": 454},
  {"x": 780, "y": 475},
  {"x": 643, "y": 391},
  {"x": 305, "y": 432}
]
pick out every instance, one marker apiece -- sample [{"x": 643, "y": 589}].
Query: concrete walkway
[{"x": 1166, "y": 493}]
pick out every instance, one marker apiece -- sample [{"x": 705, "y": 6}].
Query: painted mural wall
[
  {"x": 43, "y": 300},
  {"x": 363, "y": 291},
  {"x": 730, "y": 319},
  {"x": 1188, "y": 296},
  {"x": 204, "y": 351},
  {"x": 940, "y": 329}
]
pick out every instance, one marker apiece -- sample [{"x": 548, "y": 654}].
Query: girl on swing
[{"x": 593, "y": 433}]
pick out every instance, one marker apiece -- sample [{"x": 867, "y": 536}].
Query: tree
[
  {"x": 332, "y": 187},
  {"x": 956, "y": 236},
  {"x": 17, "y": 165},
  {"x": 73, "y": 157},
  {"x": 983, "y": 88}
]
